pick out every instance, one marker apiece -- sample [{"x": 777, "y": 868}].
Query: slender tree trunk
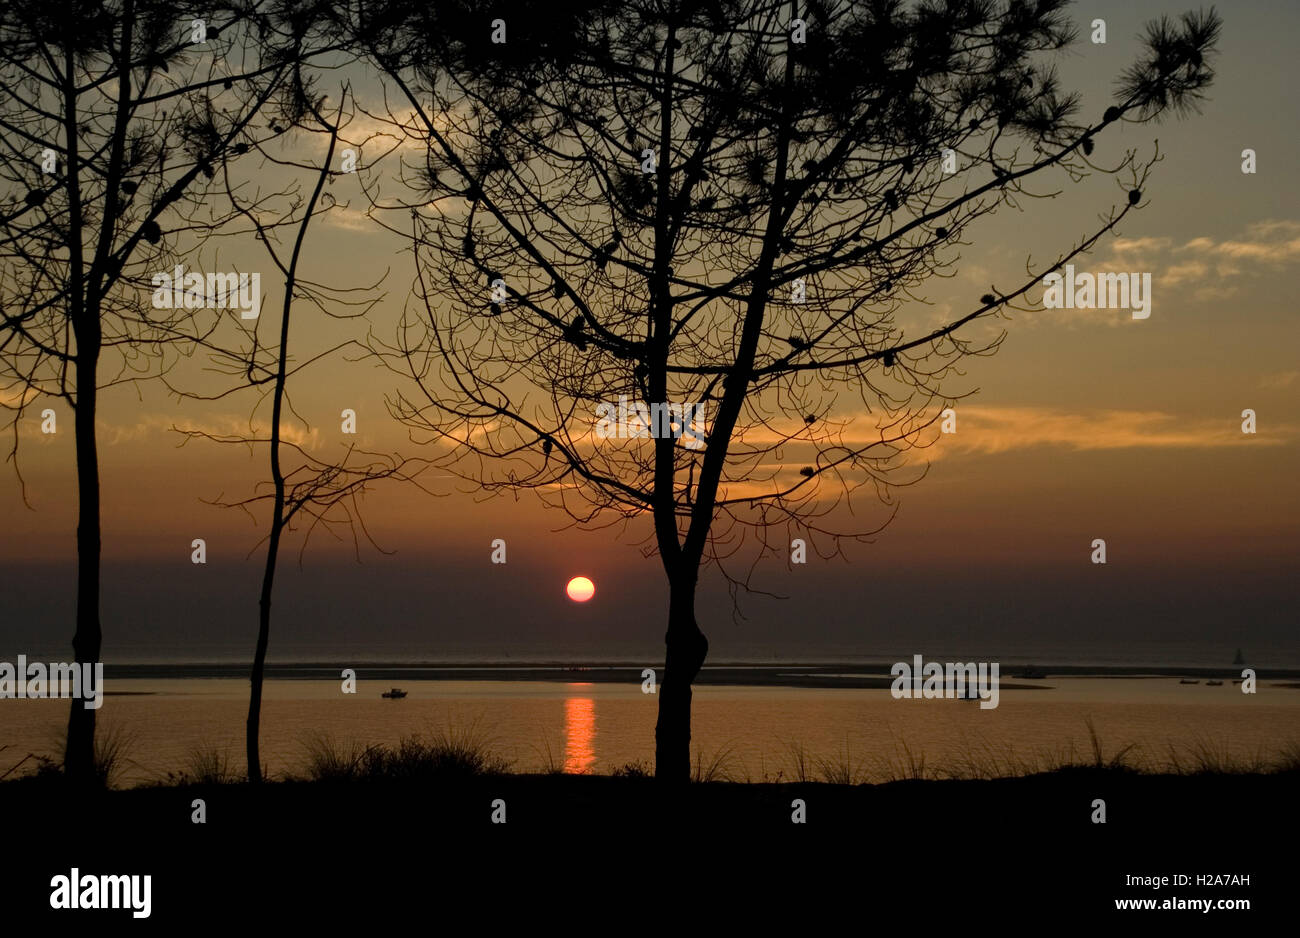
[
  {"x": 79, "y": 756},
  {"x": 263, "y": 639},
  {"x": 279, "y": 519},
  {"x": 272, "y": 547},
  {"x": 686, "y": 649}
]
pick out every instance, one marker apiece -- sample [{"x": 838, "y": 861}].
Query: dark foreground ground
[{"x": 605, "y": 855}]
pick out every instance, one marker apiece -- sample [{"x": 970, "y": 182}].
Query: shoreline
[{"x": 811, "y": 675}]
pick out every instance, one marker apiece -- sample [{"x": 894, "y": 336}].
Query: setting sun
[{"x": 580, "y": 589}]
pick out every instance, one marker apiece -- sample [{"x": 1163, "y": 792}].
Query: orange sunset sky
[{"x": 1086, "y": 424}]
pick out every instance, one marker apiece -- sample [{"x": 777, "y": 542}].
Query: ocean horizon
[{"x": 1157, "y": 655}]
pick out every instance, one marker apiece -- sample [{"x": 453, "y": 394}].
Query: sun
[{"x": 580, "y": 589}]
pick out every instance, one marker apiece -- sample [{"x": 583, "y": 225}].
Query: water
[{"x": 748, "y": 733}]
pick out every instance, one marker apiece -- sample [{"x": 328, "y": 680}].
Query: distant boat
[
  {"x": 1185, "y": 681},
  {"x": 395, "y": 693},
  {"x": 1239, "y": 659},
  {"x": 1213, "y": 683}
]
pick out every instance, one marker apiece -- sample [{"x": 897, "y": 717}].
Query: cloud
[
  {"x": 1279, "y": 381},
  {"x": 1202, "y": 269},
  {"x": 349, "y": 219},
  {"x": 992, "y": 430},
  {"x": 1182, "y": 273},
  {"x": 1275, "y": 242},
  {"x": 1208, "y": 264},
  {"x": 374, "y": 133},
  {"x": 220, "y": 425},
  {"x": 985, "y": 431},
  {"x": 1140, "y": 247},
  {"x": 19, "y": 395}
]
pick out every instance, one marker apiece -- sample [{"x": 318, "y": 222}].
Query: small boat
[
  {"x": 1213, "y": 683},
  {"x": 395, "y": 693},
  {"x": 1186, "y": 681}
]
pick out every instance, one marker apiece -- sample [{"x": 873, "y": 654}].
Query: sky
[{"x": 1086, "y": 424}]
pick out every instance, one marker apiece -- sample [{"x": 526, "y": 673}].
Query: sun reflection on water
[{"x": 579, "y": 734}]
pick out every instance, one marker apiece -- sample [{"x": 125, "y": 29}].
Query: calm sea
[{"x": 745, "y": 733}]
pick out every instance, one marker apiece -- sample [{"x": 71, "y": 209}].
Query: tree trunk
[
  {"x": 279, "y": 520},
  {"x": 83, "y": 314},
  {"x": 686, "y": 649},
  {"x": 79, "y": 754},
  {"x": 254, "y": 725},
  {"x": 272, "y": 546}
]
